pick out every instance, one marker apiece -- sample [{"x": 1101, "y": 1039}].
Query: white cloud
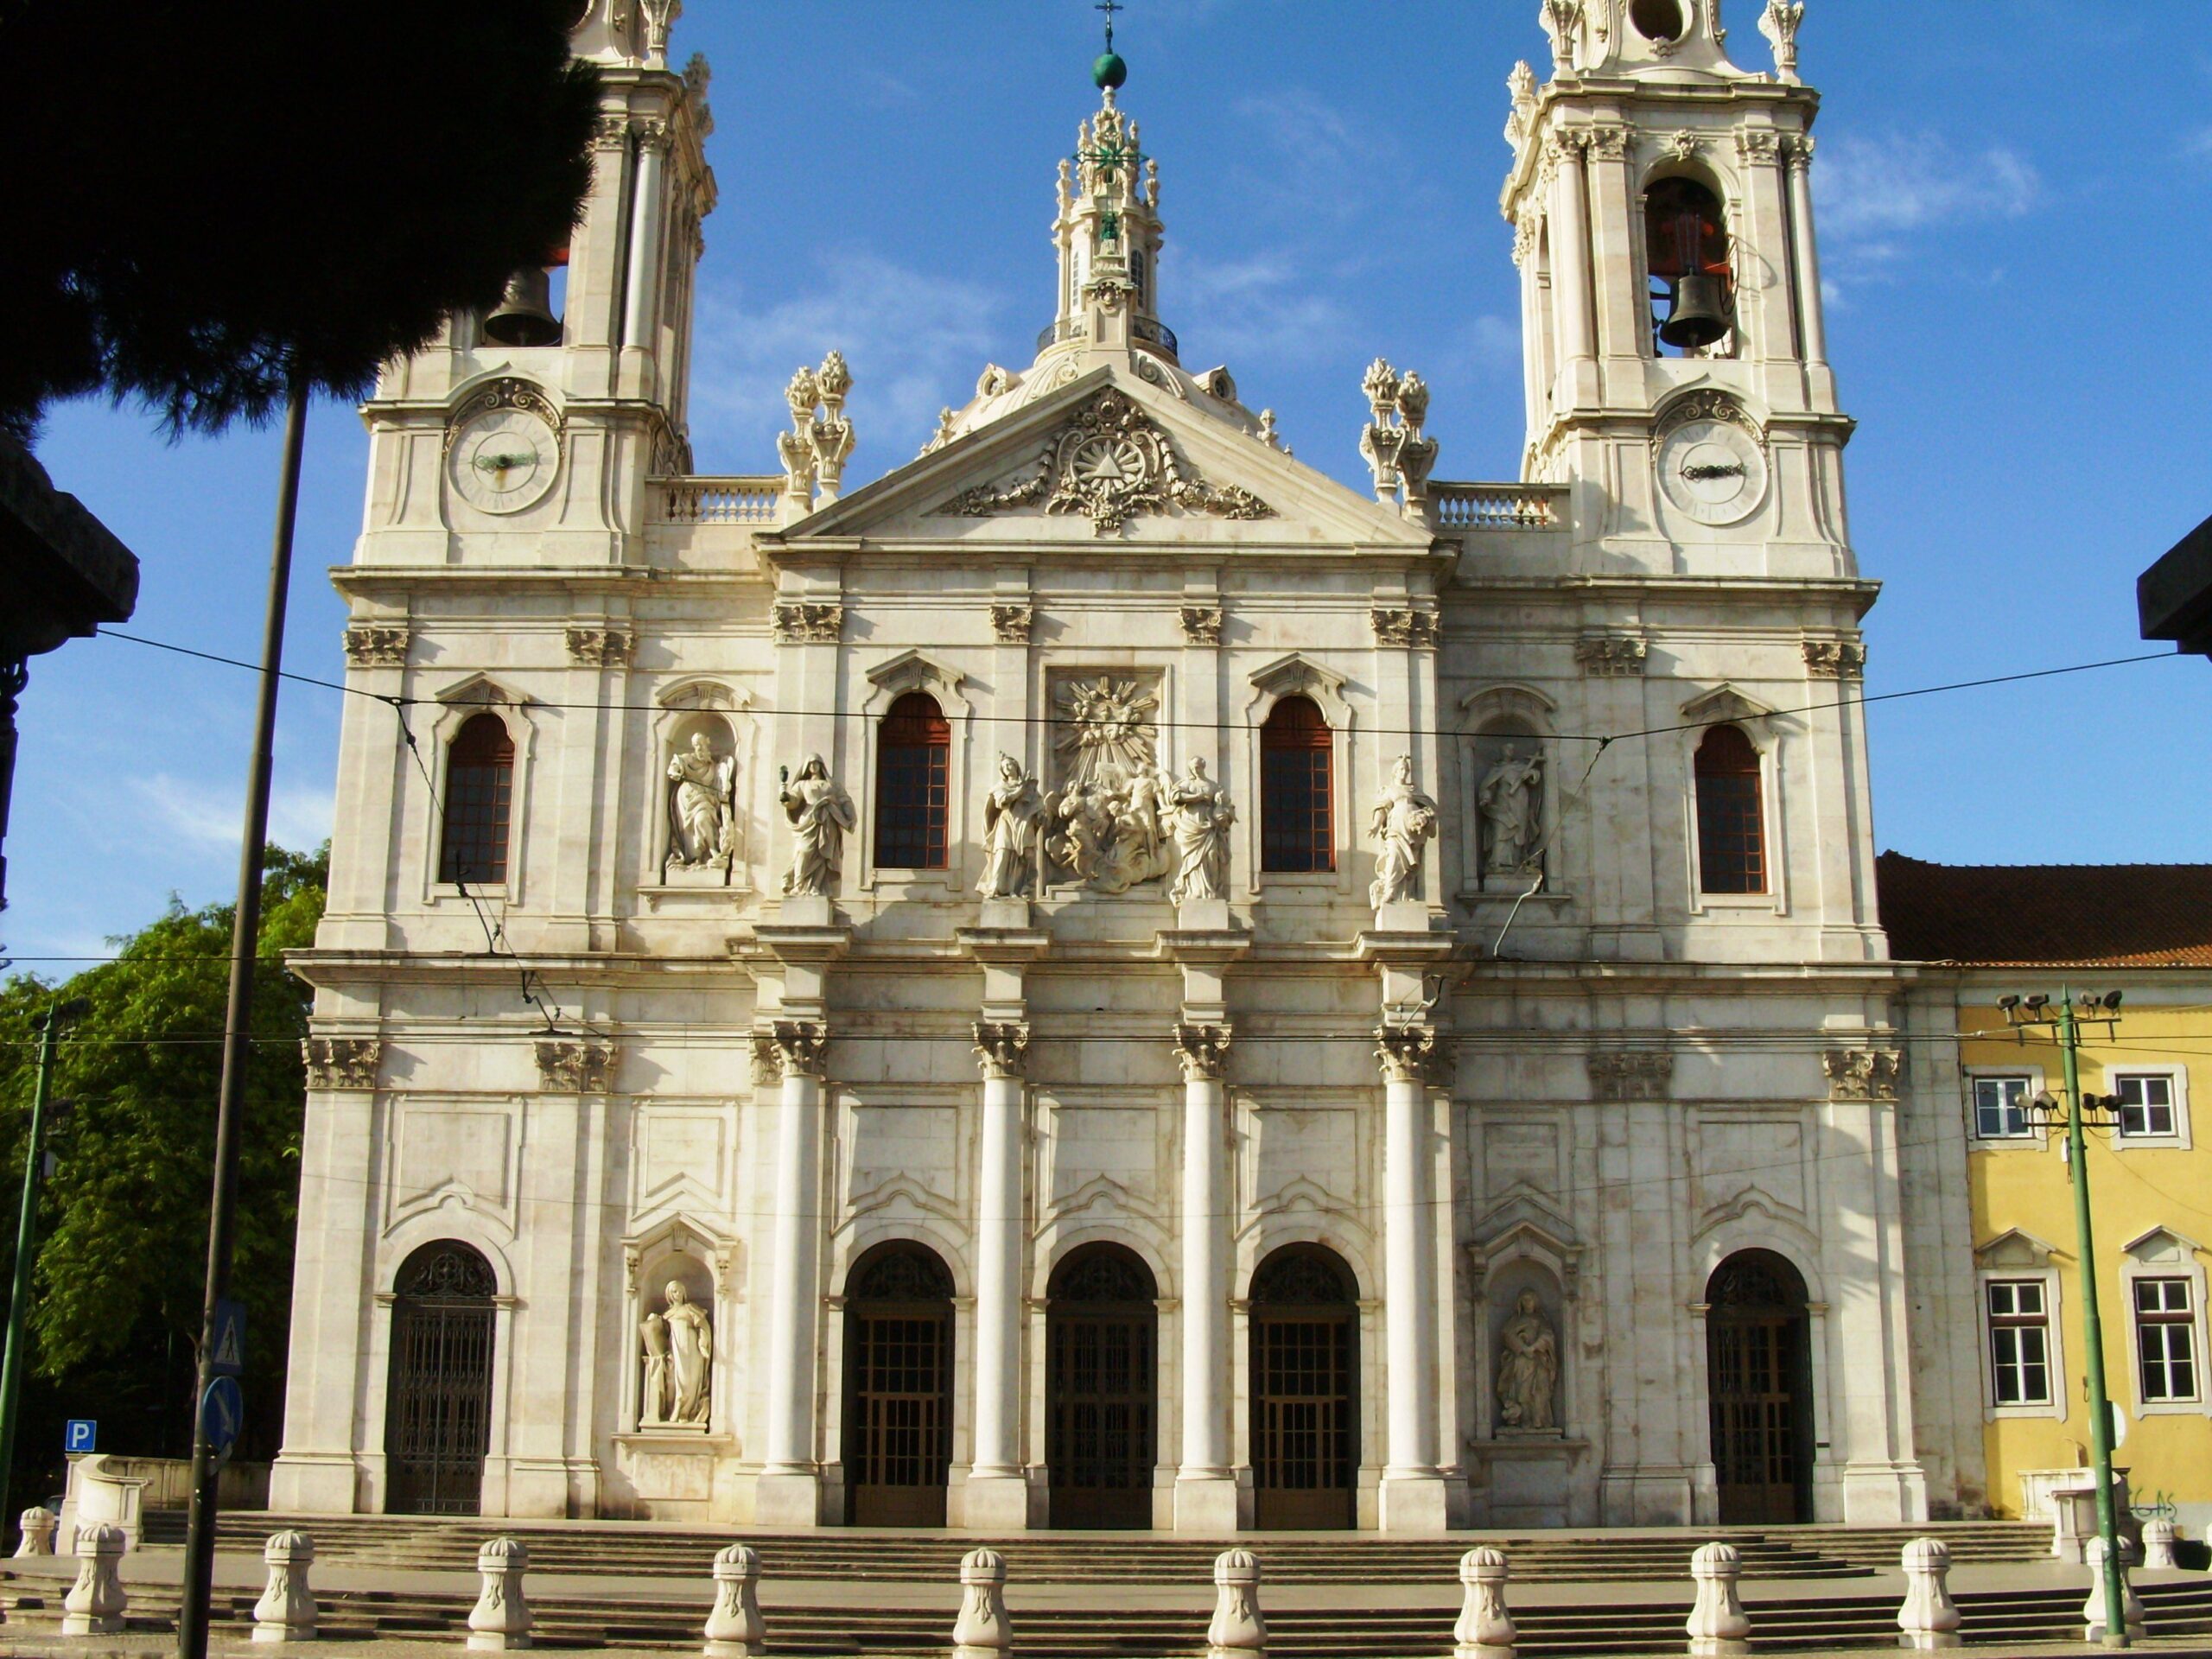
[
  {"x": 1307, "y": 159},
  {"x": 210, "y": 817},
  {"x": 1869, "y": 187},
  {"x": 915, "y": 342},
  {"x": 1265, "y": 309}
]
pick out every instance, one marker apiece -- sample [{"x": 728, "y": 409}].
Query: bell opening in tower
[{"x": 1686, "y": 248}]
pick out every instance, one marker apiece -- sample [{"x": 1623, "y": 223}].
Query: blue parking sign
[{"x": 80, "y": 1434}]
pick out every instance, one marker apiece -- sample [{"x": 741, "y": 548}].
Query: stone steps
[
  {"x": 2174, "y": 1610},
  {"x": 415, "y": 1543}
]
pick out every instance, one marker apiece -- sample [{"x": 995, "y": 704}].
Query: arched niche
[
  {"x": 678, "y": 824},
  {"x": 1516, "y": 794},
  {"x": 665, "y": 1397}
]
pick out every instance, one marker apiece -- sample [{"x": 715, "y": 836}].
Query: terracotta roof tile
[{"x": 2115, "y": 915}]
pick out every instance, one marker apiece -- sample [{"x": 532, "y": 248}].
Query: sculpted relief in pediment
[{"x": 1109, "y": 463}]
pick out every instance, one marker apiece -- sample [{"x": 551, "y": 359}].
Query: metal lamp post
[{"x": 19, "y": 1299}]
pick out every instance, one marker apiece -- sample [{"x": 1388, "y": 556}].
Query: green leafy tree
[
  {"x": 204, "y": 197},
  {"x": 114, "y": 1318}
]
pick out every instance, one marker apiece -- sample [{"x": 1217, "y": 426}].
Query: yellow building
[{"x": 1985, "y": 932}]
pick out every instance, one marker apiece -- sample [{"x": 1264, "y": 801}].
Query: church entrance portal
[
  {"x": 898, "y": 1388},
  {"x": 1759, "y": 1369},
  {"x": 1305, "y": 1397},
  {"x": 438, "y": 1408},
  {"x": 1102, "y": 1327}
]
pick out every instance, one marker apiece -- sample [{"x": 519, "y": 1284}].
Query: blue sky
[{"x": 2013, "y": 198}]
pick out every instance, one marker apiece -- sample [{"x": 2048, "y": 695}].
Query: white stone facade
[{"x": 770, "y": 1052}]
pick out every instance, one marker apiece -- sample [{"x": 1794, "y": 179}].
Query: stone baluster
[
  {"x": 734, "y": 1629},
  {"x": 1929, "y": 1618},
  {"x": 95, "y": 1603},
  {"x": 981, "y": 1631},
  {"x": 1718, "y": 1624},
  {"x": 1485, "y": 1630},
  {"x": 996, "y": 1494},
  {"x": 501, "y": 1618},
  {"x": 2093, "y": 1611},
  {"x": 1238, "y": 1629},
  {"x": 38, "y": 1525},
  {"x": 286, "y": 1610},
  {"x": 2158, "y": 1537}
]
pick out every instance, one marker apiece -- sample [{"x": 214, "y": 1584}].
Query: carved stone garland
[{"x": 1109, "y": 463}]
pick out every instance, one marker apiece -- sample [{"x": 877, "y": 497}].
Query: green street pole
[
  {"x": 2092, "y": 1329},
  {"x": 19, "y": 1297}
]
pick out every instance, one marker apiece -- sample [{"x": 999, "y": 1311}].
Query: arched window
[
  {"x": 913, "y": 760},
  {"x": 1686, "y": 247},
  {"x": 1731, "y": 818},
  {"x": 1297, "y": 831},
  {"x": 479, "y": 792}
]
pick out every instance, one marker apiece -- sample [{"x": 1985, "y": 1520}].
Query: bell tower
[
  {"x": 1675, "y": 359},
  {"x": 525, "y": 435}
]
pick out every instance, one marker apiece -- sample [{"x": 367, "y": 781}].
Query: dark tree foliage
[
  {"x": 202, "y": 196},
  {"x": 123, "y": 1241}
]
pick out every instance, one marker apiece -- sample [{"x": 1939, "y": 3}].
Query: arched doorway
[
  {"x": 438, "y": 1407},
  {"x": 897, "y": 1387},
  {"x": 1305, "y": 1389},
  {"x": 1759, "y": 1374},
  {"x": 1102, "y": 1324}
]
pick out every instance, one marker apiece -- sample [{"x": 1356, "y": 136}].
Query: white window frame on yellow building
[
  {"x": 2177, "y": 1079},
  {"x": 2161, "y": 1253},
  {"x": 2015, "y": 1257},
  {"x": 2032, "y": 1136}
]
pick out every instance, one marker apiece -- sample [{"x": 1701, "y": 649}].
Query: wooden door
[
  {"x": 898, "y": 1389},
  {"x": 1102, "y": 1390},
  {"x": 1304, "y": 1440},
  {"x": 1757, "y": 1375}
]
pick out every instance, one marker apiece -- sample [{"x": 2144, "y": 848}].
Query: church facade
[{"x": 1102, "y": 978}]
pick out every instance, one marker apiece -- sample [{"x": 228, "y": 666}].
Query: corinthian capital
[
  {"x": 792, "y": 1048},
  {"x": 1412, "y": 1051},
  {"x": 1002, "y": 1047},
  {"x": 1203, "y": 1051}
]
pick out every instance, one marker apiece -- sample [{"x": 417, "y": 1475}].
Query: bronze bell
[
  {"x": 1699, "y": 315},
  {"x": 524, "y": 316}
]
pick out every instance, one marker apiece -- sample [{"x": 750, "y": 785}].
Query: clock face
[
  {"x": 503, "y": 459},
  {"x": 1712, "y": 471}
]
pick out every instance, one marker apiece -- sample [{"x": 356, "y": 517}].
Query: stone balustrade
[
  {"x": 1498, "y": 506},
  {"x": 701, "y": 500}
]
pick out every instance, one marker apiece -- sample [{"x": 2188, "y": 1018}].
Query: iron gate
[{"x": 438, "y": 1409}]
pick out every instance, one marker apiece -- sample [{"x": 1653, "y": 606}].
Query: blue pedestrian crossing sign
[
  {"x": 230, "y": 1339},
  {"x": 222, "y": 1414},
  {"x": 80, "y": 1434}
]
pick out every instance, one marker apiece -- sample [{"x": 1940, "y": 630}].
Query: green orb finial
[{"x": 1108, "y": 71}]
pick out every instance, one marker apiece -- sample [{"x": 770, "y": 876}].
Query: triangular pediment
[
  {"x": 2014, "y": 1247},
  {"x": 1109, "y": 460},
  {"x": 1725, "y": 703},
  {"x": 2163, "y": 1244}
]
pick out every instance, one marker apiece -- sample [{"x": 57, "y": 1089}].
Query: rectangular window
[
  {"x": 2019, "y": 1342},
  {"x": 2000, "y": 1108},
  {"x": 2147, "y": 1105},
  {"x": 1295, "y": 833},
  {"x": 2165, "y": 1339}
]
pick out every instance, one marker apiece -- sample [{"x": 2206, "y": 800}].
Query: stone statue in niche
[
  {"x": 1403, "y": 822},
  {"x": 702, "y": 807},
  {"x": 821, "y": 814},
  {"x": 1198, "y": 817},
  {"x": 1103, "y": 826},
  {"x": 1511, "y": 801},
  {"x": 1011, "y": 813},
  {"x": 679, "y": 1345},
  {"x": 1528, "y": 1370}
]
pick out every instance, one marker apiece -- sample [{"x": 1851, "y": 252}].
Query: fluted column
[
  {"x": 790, "y": 1484},
  {"x": 997, "y": 1493},
  {"x": 1412, "y": 1497},
  {"x": 1205, "y": 1483}
]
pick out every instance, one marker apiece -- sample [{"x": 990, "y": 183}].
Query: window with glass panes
[
  {"x": 479, "y": 793},
  {"x": 1731, "y": 822},
  {"x": 2019, "y": 1342},
  {"x": 1296, "y": 832},
  {"x": 2146, "y": 1104},
  {"x": 913, "y": 764},
  {"x": 2165, "y": 1339},
  {"x": 2000, "y": 1108}
]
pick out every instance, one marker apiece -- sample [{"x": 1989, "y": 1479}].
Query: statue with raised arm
[
  {"x": 1528, "y": 1368},
  {"x": 1403, "y": 822},
  {"x": 1510, "y": 800},
  {"x": 820, "y": 813},
  {"x": 691, "y": 1345},
  {"x": 1198, "y": 816},
  {"x": 701, "y": 801},
  {"x": 1012, "y": 814}
]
